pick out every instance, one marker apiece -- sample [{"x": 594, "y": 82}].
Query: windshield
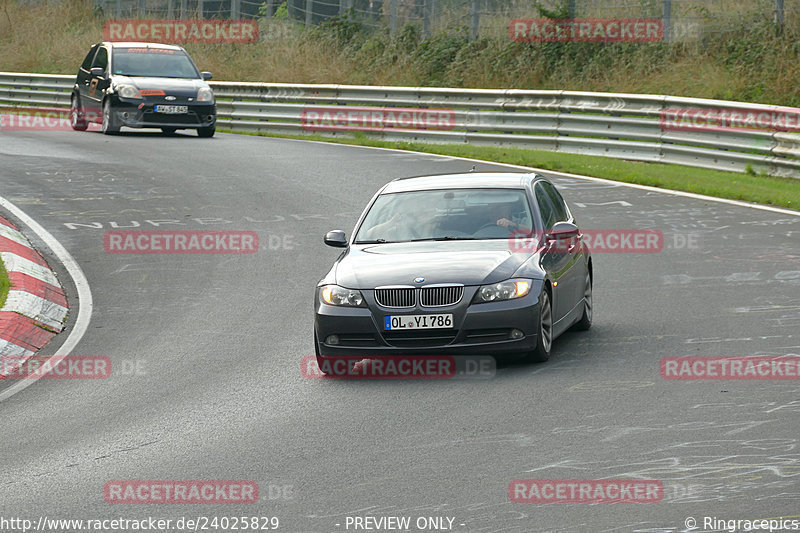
[
  {"x": 453, "y": 214},
  {"x": 153, "y": 62}
]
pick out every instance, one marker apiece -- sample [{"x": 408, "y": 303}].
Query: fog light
[
  {"x": 210, "y": 118},
  {"x": 332, "y": 339},
  {"x": 125, "y": 115},
  {"x": 516, "y": 334}
]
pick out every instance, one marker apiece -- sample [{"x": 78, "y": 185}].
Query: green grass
[
  {"x": 5, "y": 284},
  {"x": 762, "y": 189}
]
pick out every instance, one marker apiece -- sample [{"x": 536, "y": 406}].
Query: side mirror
[
  {"x": 563, "y": 230},
  {"x": 206, "y": 75},
  {"x": 97, "y": 72},
  {"x": 336, "y": 238}
]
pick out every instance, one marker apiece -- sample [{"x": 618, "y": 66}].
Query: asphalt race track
[{"x": 207, "y": 349}]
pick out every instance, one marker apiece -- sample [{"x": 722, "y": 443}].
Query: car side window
[
  {"x": 560, "y": 208},
  {"x": 101, "y": 59},
  {"x": 546, "y": 209},
  {"x": 87, "y": 62}
]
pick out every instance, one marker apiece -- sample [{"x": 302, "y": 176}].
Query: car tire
[
  {"x": 110, "y": 125},
  {"x": 169, "y": 131},
  {"x": 544, "y": 330},
  {"x": 586, "y": 320},
  {"x": 206, "y": 132},
  {"x": 76, "y": 117}
]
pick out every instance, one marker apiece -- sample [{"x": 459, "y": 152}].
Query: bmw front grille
[
  {"x": 441, "y": 296},
  {"x": 431, "y": 296},
  {"x": 397, "y": 297}
]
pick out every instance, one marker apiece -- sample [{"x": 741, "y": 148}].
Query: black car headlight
[
  {"x": 205, "y": 95},
  {"x": 336, "y": 295},
  {"x": 128, "y": 91},
  {"x": 505, "y": 290}
]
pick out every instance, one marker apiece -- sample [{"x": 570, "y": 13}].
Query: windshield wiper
[
  {"x": 445, "y": 238},
  {"x": 375, "y": 241}
]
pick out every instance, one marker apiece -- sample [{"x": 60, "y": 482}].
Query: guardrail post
[
  {"x": 235, "y": 11},
  {"x": 393, "y": 17},
  {"x": 200, "y": 9},
  {"x": 309, "y": 12},
  {"x": 475, "y": 20},
  {"x": 182, "y": 9},
  {"x": 666, "y": 18},
  {"x": 779, "y": 13},
  {"x": 169, "y": 10},
  {"x": 571, "y": 9},
  {"x": 141, "y": 8},
  {"x": 427, "y": 9}
]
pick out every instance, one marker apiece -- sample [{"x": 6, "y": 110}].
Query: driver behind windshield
[
  {"x": 409, "y": 222},
  {"x": 501, "y": 214}
]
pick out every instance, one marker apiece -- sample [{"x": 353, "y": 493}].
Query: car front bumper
[
  {"x": 137, "y": 114},
  {"x": 480, "y": 329}
]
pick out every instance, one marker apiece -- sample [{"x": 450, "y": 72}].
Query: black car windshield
[
  {"x": 451, "y": 214},
  {"x": 153, "y": 62}
]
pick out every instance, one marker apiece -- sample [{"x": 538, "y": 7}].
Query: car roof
[
  {"x": 132, "y": 44},
  {"x": 469, "y": 180}
]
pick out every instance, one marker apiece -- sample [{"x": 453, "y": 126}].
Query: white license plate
[
  {"x": 171, "y": 109},
  {"x": 412, "y": 322}
]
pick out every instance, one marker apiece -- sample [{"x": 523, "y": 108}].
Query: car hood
[
  {"x": 173, "y": 86},
  {"x": 468, "y": 262}
]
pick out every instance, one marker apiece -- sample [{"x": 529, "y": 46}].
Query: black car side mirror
[
  {"x": 97, "y": 72},
  {"x": 563, "y": 230},
  {"x": 336, "y": 238},
  {"x": 206, "y": 76}
]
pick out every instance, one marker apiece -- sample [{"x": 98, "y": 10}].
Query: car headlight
[
  {"x": 505, "y": 290},
  {"x": 336, "y": 295},
  {"x": 128, "y": 91},
  {"x": 205, "y": 95}
]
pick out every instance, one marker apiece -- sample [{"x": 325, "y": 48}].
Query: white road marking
[
  {"x": 81, "y": 284},
  {"x": 17, "y": 263},
  {"x": 580, "y": 177},
  {"x": 623, "y": 203}
]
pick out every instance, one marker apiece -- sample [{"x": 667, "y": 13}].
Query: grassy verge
[
  {"x": 4, "y": 284},
  {"x": 746, "y": 60},
  {"x": 781, "y": 192}
]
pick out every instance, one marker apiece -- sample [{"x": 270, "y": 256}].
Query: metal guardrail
[{"x": 624, "y": 126}]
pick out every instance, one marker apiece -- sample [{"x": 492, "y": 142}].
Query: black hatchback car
[
  {"x": 435, "y": 266},
  {"x": 142, "y": 85}
]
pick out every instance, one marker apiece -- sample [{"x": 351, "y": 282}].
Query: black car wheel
[
  {"x": 586, "y": 320},
  {"x": 77, "y": 119},
  {"x": 169, "y": 131},
  {"x": 206, "y": 132},
  {"x": 544, "y": 333},
  {"x": 110, "y": 125}
]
